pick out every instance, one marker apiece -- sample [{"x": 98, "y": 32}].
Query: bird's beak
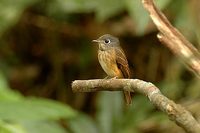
[{"x": 96, "y": 41}]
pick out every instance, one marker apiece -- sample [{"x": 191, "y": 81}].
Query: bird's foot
[
  {"x": 114, "y": 77},
  {"x": 108, "y": 77}
]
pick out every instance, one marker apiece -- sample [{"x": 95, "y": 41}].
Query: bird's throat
[{"x": 102, "y": 47}]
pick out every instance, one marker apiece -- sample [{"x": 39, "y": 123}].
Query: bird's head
[{"x": 107, "y": 42}]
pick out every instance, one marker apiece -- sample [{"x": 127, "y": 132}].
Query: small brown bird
[{"x": 113, "y": 60}]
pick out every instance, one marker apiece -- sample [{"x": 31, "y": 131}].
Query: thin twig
[
  {"x": 173, "y": 39},
  {"x": 174, "y": 111}
]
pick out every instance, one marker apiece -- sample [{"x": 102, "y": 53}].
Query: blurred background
[{"x": 46, "y": 44}]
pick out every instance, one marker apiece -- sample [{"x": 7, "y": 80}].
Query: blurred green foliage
[
  {"x": 22, "y": 115},
  {"x": 103, "y": 9},
  {"x": 45, "y": 44}
]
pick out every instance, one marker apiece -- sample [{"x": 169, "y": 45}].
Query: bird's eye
[{"x": 107, "y": 41}]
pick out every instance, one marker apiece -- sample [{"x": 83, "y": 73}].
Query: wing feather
[{"x": 122, "y": 62}]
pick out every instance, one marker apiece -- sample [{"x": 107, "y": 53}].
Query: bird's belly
[
  {"x": 108, "y": 63},
  {"x": 108, "y": 69}
]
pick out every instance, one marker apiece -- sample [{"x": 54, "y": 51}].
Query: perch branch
[
  {"x": 173, "y": 39},
  {"x": 174, "y": 111}
]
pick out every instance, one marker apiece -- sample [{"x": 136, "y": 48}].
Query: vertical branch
[{"x": 173, "y": 39}]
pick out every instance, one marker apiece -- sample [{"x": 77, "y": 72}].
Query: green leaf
[
  {"x": 109, "y": 111},
  {"x": 11, "y": 128},
  {"x": 82, "y": 124},
  {"x": 42, "y": 127},
  {"x": 34, "y": 109},
  {"x": 5, "y": 92}
]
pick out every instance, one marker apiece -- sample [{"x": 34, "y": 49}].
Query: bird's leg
[{"x": 107, "y": 77}]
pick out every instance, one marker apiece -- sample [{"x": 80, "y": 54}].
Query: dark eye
[{"x": 107, "y": 41}]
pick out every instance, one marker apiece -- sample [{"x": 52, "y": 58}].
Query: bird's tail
[{"x": 128, "y": 99}]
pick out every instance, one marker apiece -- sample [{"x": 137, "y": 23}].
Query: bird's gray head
[{"x": 107, "y": 42}]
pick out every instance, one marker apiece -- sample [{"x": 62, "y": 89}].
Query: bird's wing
[{"x": 122, "y": 62}]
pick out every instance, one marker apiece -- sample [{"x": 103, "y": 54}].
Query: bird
[{"x": 113, "y": 60}]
